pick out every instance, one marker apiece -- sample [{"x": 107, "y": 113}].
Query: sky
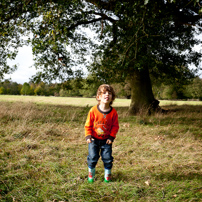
[{"x": 24, "y": 60}]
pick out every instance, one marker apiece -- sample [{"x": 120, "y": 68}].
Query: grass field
[
  {"x": 82, "y": 101},
  {"x": 43, "y": 153}
]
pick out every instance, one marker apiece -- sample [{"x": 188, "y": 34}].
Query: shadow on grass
[
  {"x": 161, "y": 177},
  {"x": 178, "y": 177}
]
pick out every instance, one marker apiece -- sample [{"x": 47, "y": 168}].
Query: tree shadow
[
  {"x": 119, "y": 176},
  {"x": 169, "y": 176}
]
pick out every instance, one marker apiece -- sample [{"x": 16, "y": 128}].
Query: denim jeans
[{"x": 97, "y": 148}]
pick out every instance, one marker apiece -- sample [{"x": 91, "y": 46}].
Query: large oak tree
[{"x": 133, "y": 40}]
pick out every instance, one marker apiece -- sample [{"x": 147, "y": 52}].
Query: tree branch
[
  {"x": 105, "y": 17},
  {"x": 84, "y": 23}
]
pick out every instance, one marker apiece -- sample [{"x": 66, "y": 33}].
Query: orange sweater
[{"x": 101, "y": 125}]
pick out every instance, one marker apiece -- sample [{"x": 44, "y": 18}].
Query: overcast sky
[{"x": 24, "y": 60}]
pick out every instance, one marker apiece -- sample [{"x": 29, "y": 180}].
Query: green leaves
[{"x": 126, "y": 35}]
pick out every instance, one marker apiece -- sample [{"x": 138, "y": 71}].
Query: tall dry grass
[{"x": 43, "y": 155}]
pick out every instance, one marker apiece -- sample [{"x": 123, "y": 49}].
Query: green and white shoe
[
  {"x": 91, "y": 175},
  {"x": 107, "y": 178}
]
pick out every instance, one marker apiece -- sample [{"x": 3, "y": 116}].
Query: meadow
[
  {"x": 82, "y": 102},
  {"x": 43, "y": 152}
]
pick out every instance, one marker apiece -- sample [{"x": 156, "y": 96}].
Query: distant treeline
[{"x": 87, "y": 88}]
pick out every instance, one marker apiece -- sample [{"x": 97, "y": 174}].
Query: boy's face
[{"x": 105, "y": 97}]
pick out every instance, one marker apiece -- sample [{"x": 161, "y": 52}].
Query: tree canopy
[{"x": 133, "y": 40}]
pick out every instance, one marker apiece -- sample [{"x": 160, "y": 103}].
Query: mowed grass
[
  {"x": 43, "y": 154},
  {"x": 80, "y": 101}
]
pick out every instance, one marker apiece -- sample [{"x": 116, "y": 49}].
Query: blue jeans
[{"x": 97, "y": 148}]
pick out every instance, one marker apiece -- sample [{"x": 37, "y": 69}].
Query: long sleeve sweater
[{"x": 101, "y": 125}]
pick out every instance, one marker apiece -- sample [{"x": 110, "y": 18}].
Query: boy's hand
[
  {"x": 88, "y": 140},
  {"x": 108, "y": 141}
]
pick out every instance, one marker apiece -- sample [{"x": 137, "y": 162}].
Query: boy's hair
[{"x": 103, "y": 88}]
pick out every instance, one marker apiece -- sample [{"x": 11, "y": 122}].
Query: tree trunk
[{"x": 142, "y": 98}]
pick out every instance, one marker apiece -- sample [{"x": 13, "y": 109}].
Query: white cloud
[{"x": 24, "y": 60}]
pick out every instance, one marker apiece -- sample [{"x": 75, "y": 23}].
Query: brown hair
[{"x": 103, "y": 88}]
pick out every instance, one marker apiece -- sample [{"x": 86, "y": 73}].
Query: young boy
[{"x": 100, "y": 131}]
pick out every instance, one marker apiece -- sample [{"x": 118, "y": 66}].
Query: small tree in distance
[{"x": 25, "y": 89}]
